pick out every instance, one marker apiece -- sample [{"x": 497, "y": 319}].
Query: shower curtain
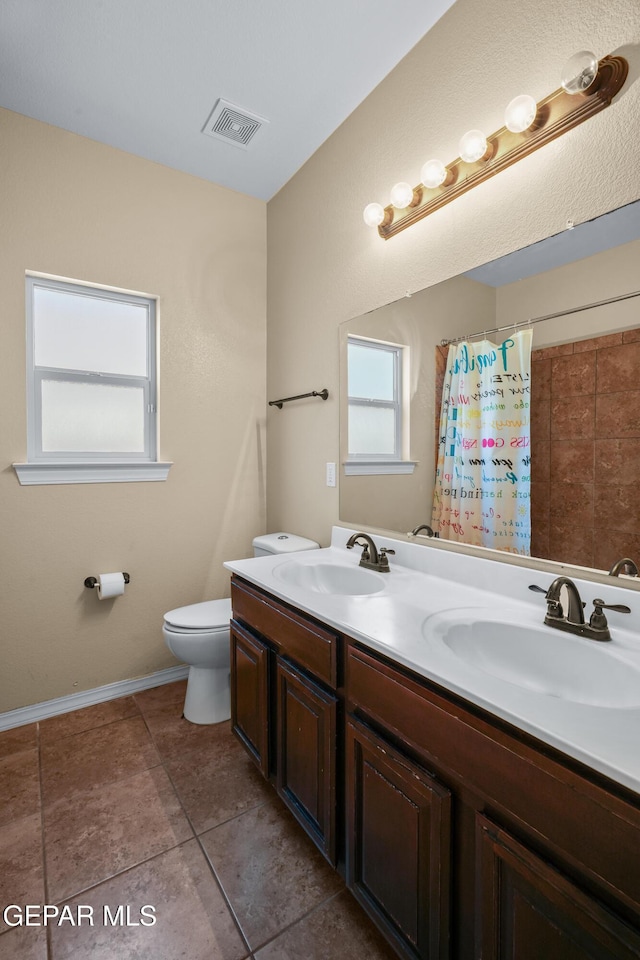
[{"x": 482, "y": 486}]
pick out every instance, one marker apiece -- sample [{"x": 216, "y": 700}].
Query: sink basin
[
  {"x": 537, "y": 658},
  {"x": 330, "y": 578}
]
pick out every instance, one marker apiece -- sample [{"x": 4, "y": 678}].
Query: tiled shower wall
[{"x": 585, "y": 441}]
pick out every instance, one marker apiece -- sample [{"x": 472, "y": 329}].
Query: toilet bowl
[{"x": 198, "y": 634}]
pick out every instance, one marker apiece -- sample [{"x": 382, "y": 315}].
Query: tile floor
[{"x": 125, "y": 804}]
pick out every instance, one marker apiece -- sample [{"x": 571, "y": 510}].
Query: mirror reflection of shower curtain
[{"x": 482, "y": 486}]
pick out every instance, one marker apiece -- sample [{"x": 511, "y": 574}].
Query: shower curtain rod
[{"x": 550, "y": 316}]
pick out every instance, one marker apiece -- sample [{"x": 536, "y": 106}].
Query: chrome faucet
[
  {"x": 371, "y": 558},
  {"x": 626, "y": 565},
  {"x": 573, "y": 621},
  {"x": 422, "y": 526}
]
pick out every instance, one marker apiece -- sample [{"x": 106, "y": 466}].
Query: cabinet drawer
[
  {"x": 568, "y": 815},
  {"x": 293, "y": 635}
]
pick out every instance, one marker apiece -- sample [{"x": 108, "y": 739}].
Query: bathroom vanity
[{"x": 464, "y": 830}]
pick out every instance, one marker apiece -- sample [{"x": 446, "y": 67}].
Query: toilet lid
[{"x": 201, "y": 616}]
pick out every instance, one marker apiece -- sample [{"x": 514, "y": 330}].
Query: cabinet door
[
  {"x": 399, "y": 843},
  {"x": 306, "y": 755},
  {"x": 527, "y": 910},
  {"x": 250, "y": 694}
]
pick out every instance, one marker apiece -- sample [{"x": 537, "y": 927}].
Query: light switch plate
[{"x": 331, "y": 474}]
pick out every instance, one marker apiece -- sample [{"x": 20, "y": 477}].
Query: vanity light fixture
[
  {"x": 520, "y": 113},
  {"x": 587, "y": 88},
  {"x": 434, "y": 173},
  {"x": 474, "y": 147},
  {"x": 579, "y": 72},
  {"x": 403, "y": 195},
  {"x": 374, "y": 214}
]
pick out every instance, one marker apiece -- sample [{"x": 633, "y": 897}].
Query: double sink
[{"x": 512, "y": 646}]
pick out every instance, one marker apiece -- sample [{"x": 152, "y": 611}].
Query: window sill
[
  {"x": 123, "y": 472},
  {"x": 364, "y": 468}
]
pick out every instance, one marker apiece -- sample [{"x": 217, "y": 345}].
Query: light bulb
[
  {"x": 579, "y": 72},
  {"x": 401, "y": 195},
  {"x": 520, "y": 113},
  {"x": 433, "y": 173},
  {"x": 473, "y": 146},
  {"x": 373, "y": 214}
]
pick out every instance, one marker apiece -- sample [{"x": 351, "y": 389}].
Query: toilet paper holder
[{"x": 91, "y": 581}]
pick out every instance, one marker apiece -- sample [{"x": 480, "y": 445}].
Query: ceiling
[{"x": 144, "y": 75}]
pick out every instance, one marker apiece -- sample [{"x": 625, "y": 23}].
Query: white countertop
[{"x": 424, "y": 582}]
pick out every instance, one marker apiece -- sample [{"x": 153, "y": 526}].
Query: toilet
[{"x": 198, "y": 634}]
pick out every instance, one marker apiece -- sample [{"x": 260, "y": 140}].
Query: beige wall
[
  {"x": 77, "y": 209},
  {"x": 325, "y": 266}
]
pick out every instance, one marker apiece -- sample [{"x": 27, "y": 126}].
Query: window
[
  {"x": 375, "y": 406},
  {"x": 91, "y": 385}
]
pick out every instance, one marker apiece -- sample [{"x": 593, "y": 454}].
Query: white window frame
[
  {"x": 90, "y": 466},
  {"x": 358, "y": 464}
]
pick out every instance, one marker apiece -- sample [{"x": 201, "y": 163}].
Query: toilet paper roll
[{"x": 110, "y": 585}]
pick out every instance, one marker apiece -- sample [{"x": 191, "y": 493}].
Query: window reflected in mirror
[{"x": 375, "y": 398}]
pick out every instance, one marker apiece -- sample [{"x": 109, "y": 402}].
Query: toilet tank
[{"x": 272, "y": 543}]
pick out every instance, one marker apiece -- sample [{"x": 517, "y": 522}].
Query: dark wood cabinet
[
  {"x": 306, "y": 754},
  {"x": 529, "y": 910},
  {"x": 544, "y": 857},
  {"x": 463, "y": 837},
  {"x": 284, "y": 676},
  {"x": 399, "y": 845}
]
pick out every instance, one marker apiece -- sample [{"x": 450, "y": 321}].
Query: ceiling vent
[{"x": 234, "y": 124}]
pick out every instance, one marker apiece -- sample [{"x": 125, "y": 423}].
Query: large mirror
[{"x": 584, "y": 490}]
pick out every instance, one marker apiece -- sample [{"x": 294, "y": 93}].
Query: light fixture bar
[{"x": 556, "y": 114}]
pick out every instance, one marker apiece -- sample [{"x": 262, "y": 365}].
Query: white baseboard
[{"x": 86, "y": 698}]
